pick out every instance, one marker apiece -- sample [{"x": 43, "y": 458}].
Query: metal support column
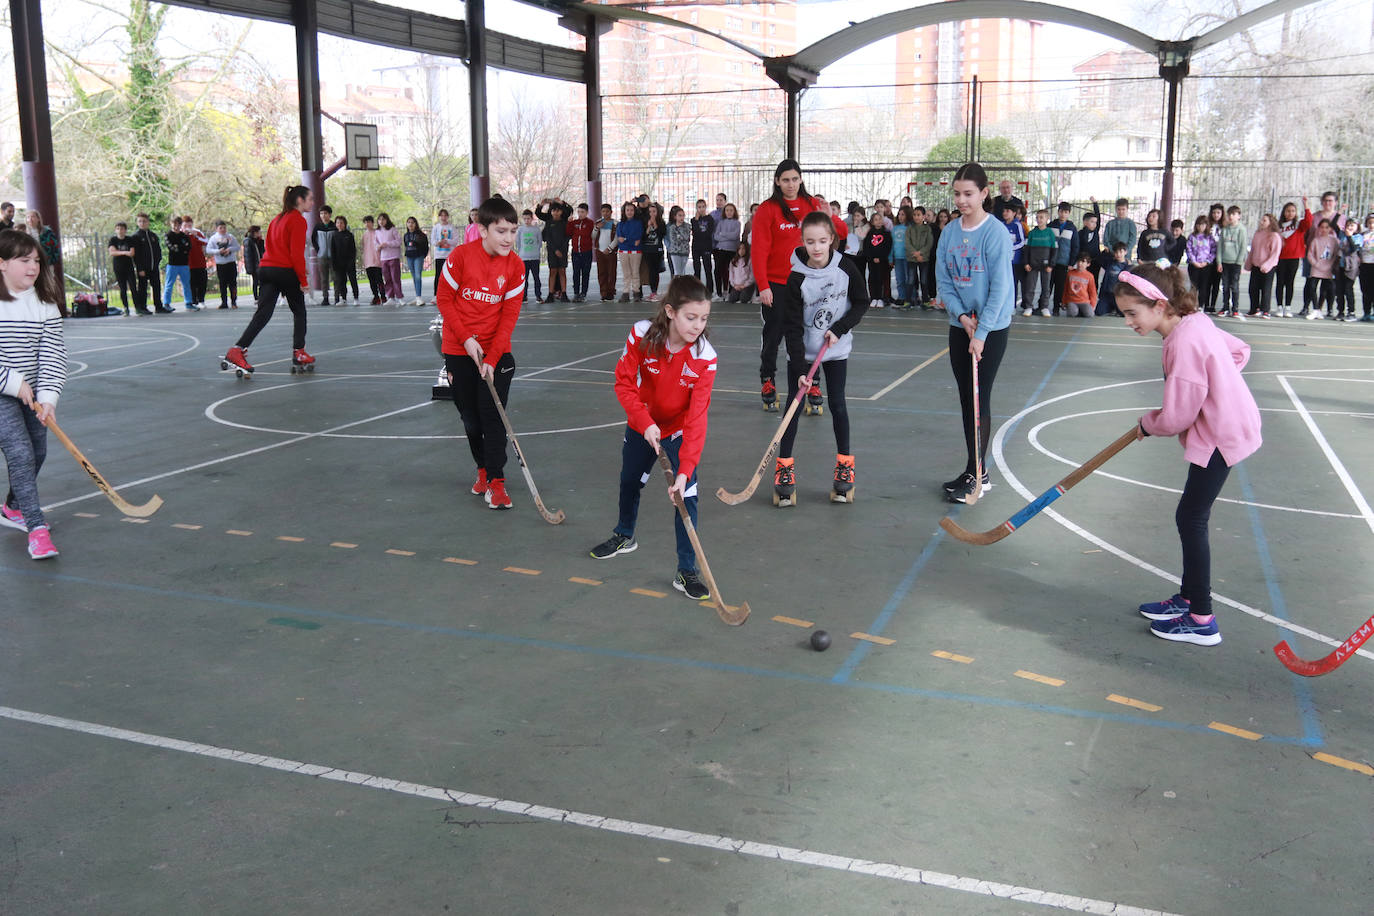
[
  {"x": 35, "y": 127},
  {"x": 305, "y": 19},
  {"x": 793, "y": 81},
  {"x": 476, "y": 22},
  {"x": 793, "y": 93},
  {"x": 592, "y": 77},
  {"x": 1173, "y": 68}
]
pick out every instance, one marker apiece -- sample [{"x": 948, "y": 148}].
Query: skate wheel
[
  {"x": 238, "y": 372},
  {"x": 310, "y": 368},
  {"x": 293, "y": 370},
  {"x": 223, "y": 364},
  {"x": 819, "y": 410}
]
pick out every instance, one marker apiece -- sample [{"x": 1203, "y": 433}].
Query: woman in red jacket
[
  {"x": 775, "y": 235},
  {"x": 281, "y": 272},
  {"x": 1294, "y": 234}
]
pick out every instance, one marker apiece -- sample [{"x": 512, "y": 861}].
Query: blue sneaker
[
  {"x": 1167, "y": 609},
  {"x": 1184, "y": 628}
]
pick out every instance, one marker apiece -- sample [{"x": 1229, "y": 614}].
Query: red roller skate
[
  {"x": 237, "y": 360},
  {"x": 302, "y": 362}
]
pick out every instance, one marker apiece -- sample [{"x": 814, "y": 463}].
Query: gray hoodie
[
  {"x": 819, "y": 299},
  {"x": 223, "y": 247}
]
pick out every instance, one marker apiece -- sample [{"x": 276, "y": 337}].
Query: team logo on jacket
[
  {"x": 501, "y": 282},
  {"x": 688, "y": 373},
  {"x": 822, "y": 319}
]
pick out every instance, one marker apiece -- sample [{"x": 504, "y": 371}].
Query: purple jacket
[{"x": 1202, "y": 249}]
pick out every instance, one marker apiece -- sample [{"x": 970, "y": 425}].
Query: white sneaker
[
  {"x": 1044, "y": 313},
  {"x": 1025, "y": 313},
  {"x": 1313, "y": 315}
]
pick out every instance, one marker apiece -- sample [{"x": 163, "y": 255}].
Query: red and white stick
[{"x": 1329, "y": 663}]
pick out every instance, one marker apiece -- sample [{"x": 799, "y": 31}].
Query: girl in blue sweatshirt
[{"x": 973, "y": 277}]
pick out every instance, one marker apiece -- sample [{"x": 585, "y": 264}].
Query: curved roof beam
[
  {"x": 607, "y": 11},
  {"x": 828, "y": 50},
  {"x": 1233, "y": 27}
]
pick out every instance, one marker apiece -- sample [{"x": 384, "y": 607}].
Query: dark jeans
[
  {"x": 200, "y": 282},
  {"x": 703, "y": 268},
  {"x": 1367, "y": 287},
  {"x": 1283, "y": 288},
  {"x": 1210, "y": 304},
  {"x": 1191, "y": 517},
  {"x": 994, "y": 348},
  {"x": 481, "y": 421},
  {"x": 651, "y": 266},
  {"x": 1059, "y": 278},
  {"x": 343, "y": 276},
  {"x": 1029, "y": 279},
  {"x": 228, "y": 276},
  {"x": 1345, "y": 293},
  {"x": 127, "y": 278},
  {"x": 771, "y": 333},
  {"x": 1261, "y": 283},
  {"x": 374, "y": 281},
  {"x": 582, "y": 272},
  {"x": 532, "y": 270},
  {"x": 1230, "y": 287},
  {"x": 836, "y": 371},
  {"x": 722, "y": 259},
  {"x": 1202, "y": 279},
  {"x": 639, "y": 465},
  {"x": 1317, "y": 293},
  {"x": 877, "y": 282},
  {"x": 284, "y": 282},
  {"x": 148, "y": 280}
]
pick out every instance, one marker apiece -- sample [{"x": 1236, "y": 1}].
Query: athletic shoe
[
  {"x": 952, "y": 485},
  {"x": 1351, "y": 317},
  {"x": 960, "y": 494},
  {"x": 479, "y": 487},
  {"x": 653, "y": 297},
  {"x": 1313, "y": 315},
  {"x": 690, "y": 584},
  {"x": 40, "y": 544},
  {"x": 614, "y": 545},
  {"x": 496, "y": 494},
  {"x": 1045, "y": 313},
  {"x": 1025, "y": 313},
  {"x": 1185, "y": 628},
  {"x": 12, "y": 518},
  {"x": 1167, "y": 609}
]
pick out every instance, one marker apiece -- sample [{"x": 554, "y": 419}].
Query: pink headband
[{"x": 1148, "y": 289}]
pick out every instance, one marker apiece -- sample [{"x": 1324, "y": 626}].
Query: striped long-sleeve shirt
[{"x": 31, "y": 347}]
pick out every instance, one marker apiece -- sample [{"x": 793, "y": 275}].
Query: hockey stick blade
[
  {"x": 553, "y": 518},
  {"x": 734, "y": 499},
  {"x": 734, "y": 616},
  {"x": 1331, "y": 662},
  {"x": 993, "y": 535},
  {"x": 120, "y": 502}
]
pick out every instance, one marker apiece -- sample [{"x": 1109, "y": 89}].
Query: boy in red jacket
[{"x": 479, "y": 298}]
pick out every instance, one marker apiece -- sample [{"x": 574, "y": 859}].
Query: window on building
[
  {"x": 658, "y": 109},
  {"x": 692, "y": 17},
  {"x": 756, "y": 27},
  {"x": 659, "y": 43},
  {"x": 658, "y": 65},
  {"x": 772, "y": 27}
]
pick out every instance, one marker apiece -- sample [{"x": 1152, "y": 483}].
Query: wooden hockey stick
[
  {"x": 984, "y": 538},
  {"x": 734, "y": 499},
  {"x": 977, "y": 442},
  {"x": 1329, "y": 663},
  {"x": 120, "y": 502},
  {"x": 734, "y": 616},
  {"x": 553, "y": 518}
]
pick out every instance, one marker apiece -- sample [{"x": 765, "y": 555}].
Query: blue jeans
[
  {"x": 417, "y": 273},
  {"x": 177, "y": 272},
  {"x": 899, "y": 291},
  {"x": 638, "y": 465}
]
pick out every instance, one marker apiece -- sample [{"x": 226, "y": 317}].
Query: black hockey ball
[{"x": 820, "y": 640}]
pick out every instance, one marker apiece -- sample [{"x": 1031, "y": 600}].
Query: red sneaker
[
  {"x": 496, "y": 494},
  {"x": 480, "y": 487}
]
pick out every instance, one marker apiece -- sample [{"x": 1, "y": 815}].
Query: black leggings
[
  {"x": 1203, "y": 279},
  {"x": 1318, "y": 293},
  {"x": 877, "y": 285},
  {"x": 835, "y": 372},
  {"x": 481, "y": 421},
  {"x": 343, "y": 276},
  {"x": 278, "y": 281},
  {"x": 1191, "y": 517},
  {"x": 994, "y": 348},
  {"x": 1283, "y": 285},
  {"x": 127, "y": 278},
  {"x": 722, "y": 259},
  {"x": 228, "y": 276},
  {"x": 772, "y": 333},
  {"x": 1260, "y": 284},
  {"x": 1367, "y": 287},
  {"x": 703, "y": 267}
]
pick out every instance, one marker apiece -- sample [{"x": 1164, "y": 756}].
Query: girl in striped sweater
[{"x": 33, "y": 368}]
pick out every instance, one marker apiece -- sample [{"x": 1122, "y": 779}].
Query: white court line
[
  {"x": 1034, "y": 437},
  {"x": 123, "y": 346},
  {"x": 909, "y": 373},
  {"x": 903, "y": 873},
  {"x": 1323, "y": 378},
  {"x": 1000, "y": 457},
  {"x": 1341, "y": 472},
  {"x": 585, "y": 359},
  {"x": 195, "y": 342}
]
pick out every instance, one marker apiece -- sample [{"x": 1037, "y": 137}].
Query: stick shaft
[
  {"x": 553, "y": 518},
  {"x": 120, "y": 502},
  {"x": 733, "y": 617},
  {"x": 977, "y": 438}
]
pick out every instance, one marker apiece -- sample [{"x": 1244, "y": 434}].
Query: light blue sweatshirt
[{"x": 973, "y": 274}]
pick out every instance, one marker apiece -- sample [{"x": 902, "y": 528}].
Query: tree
[
  {"x": 437, "y": 174},
  {"x": 357, "y": 194},
  {"x": 534, "y": 155},
  {"x": 952, "y": 152}
]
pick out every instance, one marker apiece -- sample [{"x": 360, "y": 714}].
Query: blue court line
[
  {"x": 1313, "y": 733},
  {"x": 861, "y": 651},
  {"x": 601, "y": 652}
]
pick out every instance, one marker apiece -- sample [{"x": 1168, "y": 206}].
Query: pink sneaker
[
  {"x": 12, "y": 518},
  {"x": 40, "y": 544}
]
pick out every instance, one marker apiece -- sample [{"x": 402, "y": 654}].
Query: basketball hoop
[{"x": 361, "y": 147}]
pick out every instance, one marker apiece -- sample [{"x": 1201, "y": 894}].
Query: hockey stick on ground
[
  {"x": 1329, "y": 663},
  {"x": 734, "y": 616},
  {"x": 977, "y": 442},
  {"x": 983, "y": 538},
  {"x": 553, "y": 518},
  {"x": 120, "y": 503},
  {"x": 734, "y": 499}
]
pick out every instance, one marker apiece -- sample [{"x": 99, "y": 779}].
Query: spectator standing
[
  {"x": 703, "y": 240},
  {"x": 554, "y": 211},
  {"x": 197, "y": 266},
  {"x": 443, "y": 238},
  {"x": 679, "y": 242},
  {"x": 651, "y": 248},
  {"x": 6, "y": 215},
  {"x": 121, "y": 249},
  {"x": 1122, "y": 229},
  {"x": 1261, "y": 260},
  {"x": 1018, "y": 249},
  {"x": 254, "y": 245},
  {"x": 1323, "y": 258},
  {"x": 1149, "y": 247},
  {"x": 372, "y": 260},
  {"x": 416, "y": 245},
  {"x": 920, "y": 245},
  {"x": 629, "y": 236},
  {"x": 1176, "y": 245},
  {"x": 605, "y": 228},
  {"x": 900, "y": 289},
  {"x": 319, "y": 245},
  {"x": 1367, "y": 268},
  {"x": 389, "y": 251},
  {"x": 725, "y": 242},
  {"x": 1293, "y": 231},
  {"x": 528, "y": 244},
  {"x": 1041, "y": 245},
  {"x": 876, "y": 253},
  {"x": 1090, "y": 238},
  {"x": 343, "y": 257},
  {"x": 178, "y": 266},
  {"x": 473, "y": 232},
  {"x": 47, "y": 240},
  {"x": 581, "y": 230},
  {"x": 223, "y": 249},
  {"x": 1201, "y": 249},
  {"x": 1230, "y": 257},
  {"x": 1065, "y": 253},
  {"x": 1005, "y": 197},
  {"x": 147, "y": 261}
]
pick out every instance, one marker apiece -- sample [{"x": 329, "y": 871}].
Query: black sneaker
[
  {"x": 615, "y": 544},
  {"x": 691, "y": 585},
  {"x": 963, "y": 480},
  {"x": 961, "y": 493}
]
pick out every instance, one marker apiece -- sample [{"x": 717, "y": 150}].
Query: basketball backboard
[{"x": 360, "y": 146}]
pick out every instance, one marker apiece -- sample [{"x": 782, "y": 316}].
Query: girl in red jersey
[
  {"x": 776, "y": 234},
  {"x": 281, "y": 271},
  {"x": 663, "y": 381}
]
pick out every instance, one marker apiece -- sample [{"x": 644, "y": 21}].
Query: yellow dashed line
[
  {"x": 876, "y": 640},
  {"x": 237, "y": 533},
  {"x": 135, "y": 521},
  {"x": 1040, "y": 678},
  {"x": 961, "y": 659},
  {"x": 400, "y": 553},
  {"x": 187, "y": 527},
  {"x": 521, "y": 570},
  {"x": 1344, "y": 764},
  {"x": 648, "y": 593},
  {"x": 86, "y": 514},
  {"x": 581, "y": 581},
  {"x": 290, "y": 539},
  {"x": 1136, "y": 704},
  {"x": 343, "y": 545},
  {"x": 794, "y": 622},
  {"x": 1232, "y": 730},
  {"x": 460, "y": 561}
]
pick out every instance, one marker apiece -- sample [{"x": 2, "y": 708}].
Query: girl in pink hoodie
[
  {"x": 1208, "y": 406},
  {"x": 1265, "y": 247}
]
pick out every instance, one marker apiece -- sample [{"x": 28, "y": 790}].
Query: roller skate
[
  {"x": 769, "y": 393},
  {"x": 815, "y": 402},
  {"x": 842, "y": 490},
  {"x": 784, "y": 484},
  {"x": 302, "y": 362},
  {"x": 237, "y": 360}
]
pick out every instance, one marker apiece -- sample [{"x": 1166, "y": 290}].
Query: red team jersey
[
  {"x": 480, "y": 297},
  {"x": 774, "y": 237},
  {"x": 672, "y": 390},
  {"x": 285, "y": 246}
]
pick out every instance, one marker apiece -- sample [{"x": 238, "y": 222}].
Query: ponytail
[
  {"x": 294, "y": 195},
  {"x": 684, "y": 288}
]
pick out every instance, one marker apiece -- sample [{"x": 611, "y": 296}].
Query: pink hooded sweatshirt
[
  {"x": 1265, "y": 246},
  {"x": 1206, "y": 401}
]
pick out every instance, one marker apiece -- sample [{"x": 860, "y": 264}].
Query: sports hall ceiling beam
[{"x": 1235, "y": 26}]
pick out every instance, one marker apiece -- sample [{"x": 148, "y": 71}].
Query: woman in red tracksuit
[
  {"x": 282, "y": 272},
  {"x": 663, "y": 381},
  {"x": 774, "y": 235}
]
